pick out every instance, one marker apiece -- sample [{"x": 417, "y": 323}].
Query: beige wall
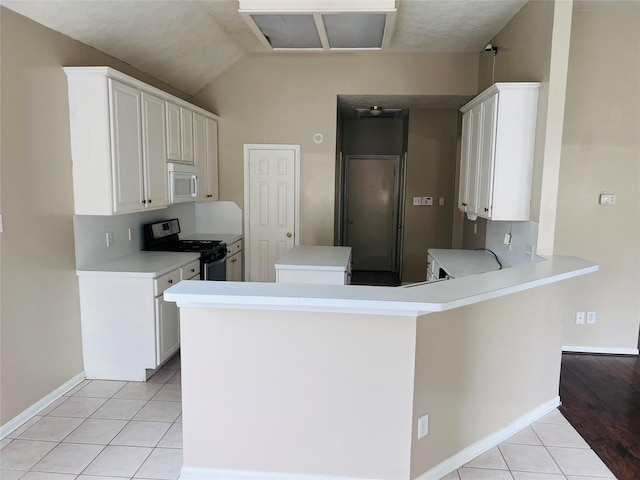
[
  {"x": 41, "y": 345},
  {"x": 533, "y": 46},
  {"x": 280, "y": 98},
  {"x": 431, "y": 161},
  {"x": 601, "y": 153},
  {"x": 479, "y": 368},
  {"x": 298, "y": 392}
]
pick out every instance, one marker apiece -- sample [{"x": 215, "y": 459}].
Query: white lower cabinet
[
  {"x": 167, "y": 329},
  {"x": 127, "y": 327},
  {"x": 234, "y": 261}
]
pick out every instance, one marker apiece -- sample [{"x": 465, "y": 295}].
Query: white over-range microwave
[{"x": 183, "y": 182}]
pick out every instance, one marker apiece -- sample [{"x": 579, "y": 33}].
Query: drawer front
[
  {"x": 234, "y": 248},
  {"x": 190, "y": 270},
  {"x": 160, "y": 284}
]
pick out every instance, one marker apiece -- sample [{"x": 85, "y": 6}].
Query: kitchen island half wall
[{"x": 296, "y": 380}]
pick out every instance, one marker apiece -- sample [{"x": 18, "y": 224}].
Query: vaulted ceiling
[{"x": 188, "y": 43}]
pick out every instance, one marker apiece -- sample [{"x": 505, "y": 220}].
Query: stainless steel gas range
[{"x": 164, "y": 236}]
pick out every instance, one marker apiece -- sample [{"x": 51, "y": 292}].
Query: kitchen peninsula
[{"x": 285, "y": 381}]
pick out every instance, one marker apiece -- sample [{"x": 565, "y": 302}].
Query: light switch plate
[
  {"x": 441, "y": 201},
  {"x": 607, "y": 199},
  {"x": 417, "y": 200}
]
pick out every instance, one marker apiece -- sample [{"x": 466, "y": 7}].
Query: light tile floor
[
  {"x": 550, "y": 449},
  {"x": 102, "y": 429},
  {"x": 132, "y": 430}
]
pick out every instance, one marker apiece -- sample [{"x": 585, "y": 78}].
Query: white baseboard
[
  {"x": 217, "y": 474},
  {"x": 30, "y": 412},
  {"x": 609, "y": 350},
  {"x": 472, "y": 451},
  {"x": 437, "y": 472}
]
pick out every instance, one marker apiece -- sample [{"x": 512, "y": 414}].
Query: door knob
[
  {"x": 289, "y": 234},
  {"x": 350, "y": 221}
]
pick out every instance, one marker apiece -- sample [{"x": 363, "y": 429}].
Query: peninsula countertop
[{"x": 418, "y": 298}]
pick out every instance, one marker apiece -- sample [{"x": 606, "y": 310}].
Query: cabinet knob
[
  {"x": 170, "y": 280},
  {"x": 193, "y": 270},
  {"x": 486, "y": 209},
  {"x": 144, "y": 202},
  {"x": 209, "y": 196},
  {"x": 464, "y": 205},
  {"x": 149, "y": 201}
]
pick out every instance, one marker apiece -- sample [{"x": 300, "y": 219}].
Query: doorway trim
[
  {"x": 247, "y": 194},
  {"x": 398, "y": 207}
]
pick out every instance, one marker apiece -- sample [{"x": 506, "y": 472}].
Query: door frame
[
  {"x": 247, "y": 194},
  {"x": 398, "y": 204}
]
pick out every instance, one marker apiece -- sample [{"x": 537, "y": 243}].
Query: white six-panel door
[{"x": 270, "y": 207}]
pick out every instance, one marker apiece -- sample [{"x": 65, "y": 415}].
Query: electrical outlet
[
  {"x": 423, "y": 426},
  {"x": 591, "y": 318},
  {"x": 579, "y": 318},
  {"x": 109, "y": 239},
  {"x": 417, "y": 201},
  {"x": 507, "y": 239},
  {"x": 427, "y": 201},
  {"x": 607, "y": 199}
]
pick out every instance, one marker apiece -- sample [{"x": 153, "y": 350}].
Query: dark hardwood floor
[{"x": 600, "y": 397}]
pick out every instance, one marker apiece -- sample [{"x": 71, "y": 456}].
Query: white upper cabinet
[
  {"x": 126, "y": 126},
  {"x": 154, "y": 151},
  {"x": 179, "y": 134},
  {"x": 498, "y": 139},
  {"x": 174, "y": 147},
  {"x": 205, "y": 140},
  {"x": 123, "y": 131}
]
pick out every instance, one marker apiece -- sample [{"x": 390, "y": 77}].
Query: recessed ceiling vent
[
  {"x": 378, "y": 112},
  {"x": 321, "y": 25}
]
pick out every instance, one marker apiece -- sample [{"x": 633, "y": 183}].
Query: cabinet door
[
  {"x": 475, "y": 148},
  {"x": 487, "y": 156},
  {"x": 154, "y": 152},
  {"x": 200, "y": 152},
  {"x": 212, "y": 159},
  {"x": 465, "y": 153},
  {"x": 186, "y": 134},
  {"x": 167, "y": 329},
  {"x": 126, "y": 148},
  {"x": 174, "y": 152},
  {"x": 234, "y": 268}
]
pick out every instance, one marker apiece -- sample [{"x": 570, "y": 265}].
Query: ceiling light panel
[
  {"x": 321, "y": 24},
  {"x": 289, "y": 31},
  {"x": 355, "y": 30}
]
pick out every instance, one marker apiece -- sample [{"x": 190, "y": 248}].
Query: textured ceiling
[{"x": 187, "y": 43}]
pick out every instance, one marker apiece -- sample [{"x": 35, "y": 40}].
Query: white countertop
[
  {"x": 308, "y": 257},
  {"x": 413, "y": 300},
  {"x": 460, "y": 263},
  {"x": 139, "y": 264},
  {"x": 227, "y": 238}
]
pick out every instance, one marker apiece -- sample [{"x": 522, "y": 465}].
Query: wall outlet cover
[
  {"x": 423, "y": 426},
  {"x": 591, "y": 318},
  {"x": 427, "y": 201},
  {"x": 580, "y": 318},
  {"x": 417, "y": 200}
]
